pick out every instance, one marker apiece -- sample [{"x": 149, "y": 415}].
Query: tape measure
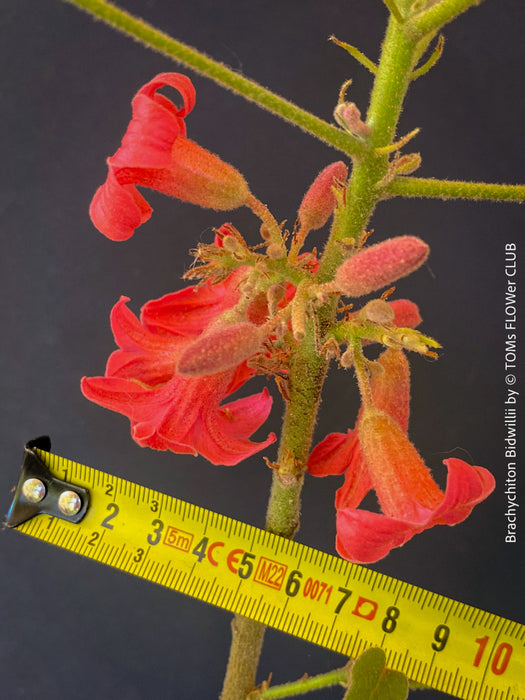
[{"x": 437, "y": 641}]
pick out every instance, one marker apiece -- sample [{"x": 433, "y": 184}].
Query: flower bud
[
  {"x": 378, "y": 311},
  {"x": 406, "y": 313},
  {"x": 319, "y": 201},
  {"x": 220, "y": 350},
  {"x": 202, "y": 178},
  {"x": 380, "y": 265},
  {"x": 348, "y": 116}
]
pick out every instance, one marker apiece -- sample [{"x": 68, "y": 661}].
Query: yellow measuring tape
[{"x": 434, "y": 640}]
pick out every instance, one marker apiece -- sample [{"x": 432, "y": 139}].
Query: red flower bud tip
[
  {"x": 220, "y": 350},
  {"x": 380, "y": 265},
  {"x": 406, "y": 313},
  {"x": 319, "y": 201}
]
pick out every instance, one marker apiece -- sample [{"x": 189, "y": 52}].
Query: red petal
[
  {"x": 117, "y": 210},
  {"x": 364, "y": 537},
  {"x": 175, "y": 80},
  {"x": 357, "y": 481},
  {"x": 190, "y": 311},
  {"x": 222, "y": 435},
  {"x": 332, "y": 455},
  {"x": 466, "y": 487}
]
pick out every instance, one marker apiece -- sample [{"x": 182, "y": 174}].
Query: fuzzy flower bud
[
  {"x": 202, "y": 178},
  {"x": 380, "y": 265},
  {"x": 348, "y": 116},
  {"x": 406, "y": 313},
  {"x": 378, "y": 311},
  {"x": 220, "y": 350},
  {"x": 319, "y": 202}
]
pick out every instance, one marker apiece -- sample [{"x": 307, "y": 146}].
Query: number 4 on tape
[{"x": 444, "y": 644}]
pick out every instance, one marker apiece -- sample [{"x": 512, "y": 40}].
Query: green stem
[
  {"x": 306, "y": 376},
  {"x": 155, "y": 39},
  {"x": 431, "y": 20},
  {"x": 394, "y": 10},
  {"x": 454, "y": 189},
  {"x": 338, "y": 676}
]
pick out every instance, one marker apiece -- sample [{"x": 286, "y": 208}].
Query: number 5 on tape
[{"x": 434, "y": 640}]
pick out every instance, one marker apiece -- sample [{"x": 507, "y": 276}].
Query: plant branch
[
  {"x": 159, "y": 41},
  {"x": 430, "y": 21},
  {"x": 454, "y": 189},
  {"x": 394, "y": 10}
]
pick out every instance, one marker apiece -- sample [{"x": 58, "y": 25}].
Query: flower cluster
[{"x": 192, "y": 349}]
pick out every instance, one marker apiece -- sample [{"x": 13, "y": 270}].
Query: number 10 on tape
[{"x": 444, "y": 644}]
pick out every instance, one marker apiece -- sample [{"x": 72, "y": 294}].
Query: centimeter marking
[{"x": 434, "y": 640}]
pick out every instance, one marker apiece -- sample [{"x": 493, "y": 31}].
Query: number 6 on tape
[{"x": 434, "y": 640}]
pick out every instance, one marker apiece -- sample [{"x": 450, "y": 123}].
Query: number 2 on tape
[{"x": 444, "y": 644}]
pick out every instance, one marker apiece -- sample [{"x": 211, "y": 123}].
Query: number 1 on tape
[{"x": 444, "y": 644}]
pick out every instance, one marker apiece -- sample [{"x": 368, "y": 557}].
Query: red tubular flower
[
  {"x": 410, "y": 499},
  {"x": 378, "y": 455},
  {"x": 341, "y": 453},
  {"x": 155, "y": 153},
  {"x": 168, "y": 411}
]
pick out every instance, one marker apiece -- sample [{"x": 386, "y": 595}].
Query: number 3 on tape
[{"x": 444, "y": 644}]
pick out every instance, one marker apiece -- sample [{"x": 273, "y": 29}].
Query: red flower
[
  {"x": 379, "y": 455},
  {"x": 155, "y": 153},
  {"x": 168, "y": 411}
]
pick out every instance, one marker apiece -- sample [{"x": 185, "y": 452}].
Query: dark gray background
[{"x": 71, "y": 628}]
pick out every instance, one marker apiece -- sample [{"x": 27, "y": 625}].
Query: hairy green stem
[
  {"x": 430, "y": 21},
  {"x": 155, "y": 39},
  {"x": 454, "y": 189},
  {"x": 306, "y": 376}
]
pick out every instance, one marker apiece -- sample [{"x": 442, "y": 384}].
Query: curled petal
[
  {"x": 224, "y": 439},
  {"x": 332, "y": 455},
  {"x": 365, "y": 537},
  {"x": 341, "y": 453},
  {"x": 117, "y": 210},
  {"x": 190, "y": 311},
  {"x": 466, "y": 487}
]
